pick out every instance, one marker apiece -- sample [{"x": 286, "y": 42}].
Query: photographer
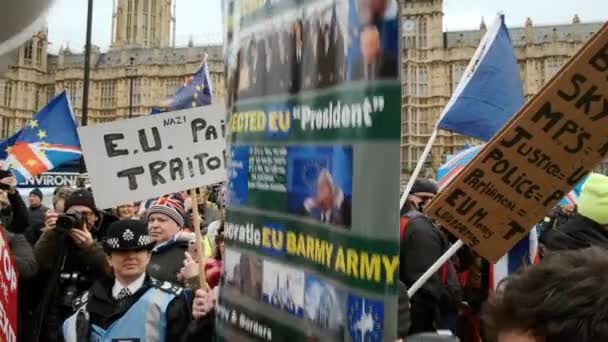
[
  {"x": 17, "y": 210},
  {"x": 70, "y": 254}
]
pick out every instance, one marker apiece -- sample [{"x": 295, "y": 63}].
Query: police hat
[{"x": 127, "y": 235}]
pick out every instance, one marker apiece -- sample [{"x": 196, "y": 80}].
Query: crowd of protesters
[
  {"x": 103, "y": 271},
  {"x": 560, "y": 296},
  {"x": 74, "y": 259}
]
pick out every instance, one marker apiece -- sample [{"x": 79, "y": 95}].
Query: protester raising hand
[{"x": 51, "y": 221}]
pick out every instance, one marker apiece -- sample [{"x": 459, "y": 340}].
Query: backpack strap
[{"x": 405, "y": 219}]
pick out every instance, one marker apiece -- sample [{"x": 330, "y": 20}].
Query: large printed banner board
[
  {"x": 312, "y": 245},
  {"x": 543, "y": 152},
  {"x": 8, "y": 292},
  {"x": 151, "y": 156}
]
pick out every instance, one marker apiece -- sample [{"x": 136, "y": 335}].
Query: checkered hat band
[{"x": 172, "y": 213}]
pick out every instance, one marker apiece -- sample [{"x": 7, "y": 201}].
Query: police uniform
[{"x": 156, "y": 311}]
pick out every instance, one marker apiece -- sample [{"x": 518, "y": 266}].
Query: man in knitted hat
[
  {"x": 165, "y": 220},
  {"x": 36, "y": 210},
  {"x": 133, "y": 306},
  {"x": 589, "y": 226}
]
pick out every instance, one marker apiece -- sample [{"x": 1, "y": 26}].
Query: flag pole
[
  {"x": 434, "y": 268},
  {"x": 87, "y": 76},
  {"x": 200, "y": 256},
  {"x": 425, "y": 154}
]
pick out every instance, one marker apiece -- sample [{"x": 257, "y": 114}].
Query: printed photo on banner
[
  {"x": 243, "y": 273},
  {"x": 309, "y": 181},
  {"x": 365, "y": 319},
  {"x": 325, "y": 306},
  {"x": 320, "y": 183},
  {"x": 283, "y": 288},
  {"x": 316, "y": 47}
]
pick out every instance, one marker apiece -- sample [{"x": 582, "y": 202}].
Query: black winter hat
[
  {"x": 127, "y": 235},
  {"x": 37, "y": 192},
  {"x": 424, "y": 185},
  {"x": 81, "y": 197}
]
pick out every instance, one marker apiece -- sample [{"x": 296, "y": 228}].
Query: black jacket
[
  {"x": 27, "y": 267},
  {"x": 57, "y": 254},
  {"x": 421, "y": 246},
  {"x": 20, "y": 221},
  {"x": 167, "y": 260},
  {"x": 104, "y": 310},
  {"x": 576, "y": 233}
]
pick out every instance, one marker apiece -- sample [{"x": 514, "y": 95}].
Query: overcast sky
[{"x": 201, "y": 19}]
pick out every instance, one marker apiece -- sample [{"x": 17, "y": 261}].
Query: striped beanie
[{"x": 168, "y": 205}]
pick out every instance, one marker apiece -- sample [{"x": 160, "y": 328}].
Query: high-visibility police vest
[
  {"x": 207, "y": 249},
  {"x": 144, "y": 321}
]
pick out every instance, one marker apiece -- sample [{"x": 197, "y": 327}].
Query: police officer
[{"x": 132, "y": 306}]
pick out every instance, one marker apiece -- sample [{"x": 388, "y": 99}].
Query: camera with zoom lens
[{"x": 68, "y": 221}]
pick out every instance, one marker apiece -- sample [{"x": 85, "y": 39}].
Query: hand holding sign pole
[
  {"x": 543, "y": 152},
  {"x": 200, "y": 256}
]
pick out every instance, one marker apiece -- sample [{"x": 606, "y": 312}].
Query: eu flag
[
  {"x": 365, "y": 319},
  {"x": 46, "y": 142},
  {"x": 490, "y": 91},
  {"x": 195, "y": 92}
]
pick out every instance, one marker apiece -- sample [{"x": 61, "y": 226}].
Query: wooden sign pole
[{"x": 200, "y": 256}]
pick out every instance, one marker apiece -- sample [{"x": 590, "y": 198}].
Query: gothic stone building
[
  {"x": 141, "y": 50},
  {"x": 434, "y": 60}
]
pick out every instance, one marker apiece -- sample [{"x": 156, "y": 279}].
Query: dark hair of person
[
  {"x": 219, "y": 238},
  {"x": 564, "y": 298}
]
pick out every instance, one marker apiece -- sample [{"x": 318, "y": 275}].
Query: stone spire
[{"x": 137, "y": 23}]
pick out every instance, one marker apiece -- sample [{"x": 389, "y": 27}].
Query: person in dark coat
[
  {"x": 70, "y": 260},
  {"x": 165, "y": 220},
  {"x": 16, "y": 210},
  {"x": 132, "y": 305},
  {"x": 588, "y": 227},
  {"x": 421, "y": 245},
  {"x": 37, "y": 210},
  {"x": 296, "y": 54}
]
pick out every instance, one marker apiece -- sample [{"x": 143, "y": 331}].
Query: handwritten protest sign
[
  {"x": 8, "y": 292},
  {"x": 151, "y": 156},
  {"x": 543, "y": 152},
  {"x": 312, "y": 248}
]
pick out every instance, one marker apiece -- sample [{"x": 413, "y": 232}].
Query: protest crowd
[
  {"x": 250, "y": 240},
  {"x": 109, "y": 261}
]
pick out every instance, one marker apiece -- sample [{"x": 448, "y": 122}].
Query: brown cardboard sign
[{"x": 543, "y": 152}]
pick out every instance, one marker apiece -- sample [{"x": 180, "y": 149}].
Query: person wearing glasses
[{"x": 71, "y": 258}]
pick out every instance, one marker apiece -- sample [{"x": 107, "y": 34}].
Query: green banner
[{"x": 312, "y": 239}]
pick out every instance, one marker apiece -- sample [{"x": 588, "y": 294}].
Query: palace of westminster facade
[{"x": 141, "y": 51}]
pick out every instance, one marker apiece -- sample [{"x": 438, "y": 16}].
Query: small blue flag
[
  {"x": 47, "y": 141},
  {"x": 490, "y": 91},
  {"x": 195, "y": 92}
]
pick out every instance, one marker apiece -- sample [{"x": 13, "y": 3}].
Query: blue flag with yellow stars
[
  {"x": 47, "y": 141},
  {"x": 365, "y": 319},
  {"x": 195, "y": 92}
]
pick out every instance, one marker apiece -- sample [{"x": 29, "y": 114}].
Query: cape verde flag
[
  {"x": 46, "y": 142},
  {"x": 490, "y": 90}
]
